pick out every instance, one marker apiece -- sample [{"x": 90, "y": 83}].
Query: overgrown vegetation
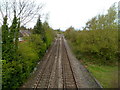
[
  {"x": 101, "y": 47},
  {"x": 20, "y": 58},
  {"x": 97, "y": 43}
]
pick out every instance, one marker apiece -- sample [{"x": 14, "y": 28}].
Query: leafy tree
[
  {"x": 99, "y": 42},
  {"x": 10, "y": 39},
  {"x": 38, "y": 29},
  {"x": 13, "y": 37},
  {"x": 5, "y": 38},
  {"x": 49, "y": 34},
  {"x": 103, "y": 22},
  {"x": 111, "y": 18}
]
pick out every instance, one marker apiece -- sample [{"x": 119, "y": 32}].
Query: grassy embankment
[{"x": 106, "y": 75}]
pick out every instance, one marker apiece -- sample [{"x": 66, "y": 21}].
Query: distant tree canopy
[
  {"x": 23, "y": 28},
  {"x": 70, "y": 29},
  {"x": 101, "y": 22},
  {"x": 38, "y": 29}
]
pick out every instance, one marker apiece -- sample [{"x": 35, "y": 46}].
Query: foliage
[
  {"x": 9, "y": 50},
  {"x": 49, "y": 34},
  {"x": 15, "y": 72},
  {"x": 59, "y": 31},
  {"x": 40, "y": 46},
  {"x": 38, "y": 29},
  {"x": 98, "y": 41},
  {"x": 101, "y": 22},
  {"x": 10, "y": 39},
  {"x": 5, "y": 42},
  {"x": 23, "y": 56},
  {"x": 99, "y": 44}
]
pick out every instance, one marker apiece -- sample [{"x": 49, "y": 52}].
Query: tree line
[
  {"x": 98, "y": 41},
  {"x": 20, "y": 58}
]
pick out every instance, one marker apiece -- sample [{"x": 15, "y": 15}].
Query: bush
[
  {"x": 30, "y": 51},
  {"x": 15, "y": 72},
  {"x": 37, "y": 44},
  {"x": 49, "y": 34},
  {"x": 102, "y": 44},
  {"x": 22, "y": 57}
]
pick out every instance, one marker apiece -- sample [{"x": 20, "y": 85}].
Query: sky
[{"x": 65, "y": 13}]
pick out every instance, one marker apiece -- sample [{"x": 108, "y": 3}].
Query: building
[{"x": 24, "y": 33}]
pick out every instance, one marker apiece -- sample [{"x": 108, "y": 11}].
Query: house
[{"x": 23, "y": 33}]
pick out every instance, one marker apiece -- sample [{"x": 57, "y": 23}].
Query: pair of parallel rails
[{"x": 56, "y": 71}]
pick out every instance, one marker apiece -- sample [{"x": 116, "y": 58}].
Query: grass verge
[{"x": 106, "y": 75}]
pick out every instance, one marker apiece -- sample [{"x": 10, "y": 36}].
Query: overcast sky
[{"x": 66, "y": 13}]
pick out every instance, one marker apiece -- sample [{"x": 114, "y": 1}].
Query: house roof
[{"x": 24, "y": 33}]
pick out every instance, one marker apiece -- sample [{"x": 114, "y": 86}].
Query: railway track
[
  {"x": 68, "y": 75},
  {"x": 45, "y": 71},
  {"x": 58, "y": 70},
  {"x": 48, "y": 75}
]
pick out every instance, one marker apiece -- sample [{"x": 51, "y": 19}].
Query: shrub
[
  {"x": 15, "y": 72},
  {"x": 102, "y": 44}
]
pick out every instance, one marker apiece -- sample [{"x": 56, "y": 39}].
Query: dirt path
[{"x": 60, "y": 69}]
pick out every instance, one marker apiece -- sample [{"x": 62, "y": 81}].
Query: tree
[
  {"x": 10, "y": 39},
  {"x": 15, "y": 13},
  {"x": 104, "y": 22},
  {"x": 5, "y": 38},
  {"x": 111, "y": 17},
  {"x": 26, "y": 10},
  {"x": 38, "y": 29},
  {"x": 49, "y": 34}
]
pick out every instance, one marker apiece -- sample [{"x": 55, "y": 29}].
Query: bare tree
[{"x": 26, "y": 10}]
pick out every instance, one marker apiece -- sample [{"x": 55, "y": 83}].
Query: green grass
[{"x": 106, "y": 75}]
